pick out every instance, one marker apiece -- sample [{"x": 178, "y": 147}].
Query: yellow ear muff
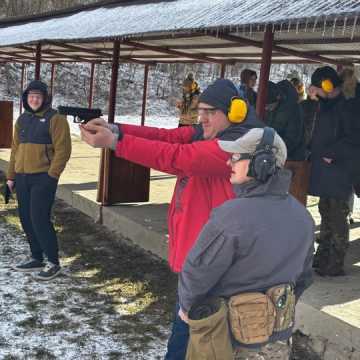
[
  {"x": 194, "y": 86},
  {"x": 327, "y": 86},
  {"x": 238, "y": 110}
]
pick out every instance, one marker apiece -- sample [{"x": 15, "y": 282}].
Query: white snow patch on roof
[{"x": 107, "y": 22}]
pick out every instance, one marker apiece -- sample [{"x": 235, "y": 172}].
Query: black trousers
[{"x": 36, "y": 195}]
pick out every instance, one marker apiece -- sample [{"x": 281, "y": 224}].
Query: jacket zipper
[{"x": 47, "y": 154}]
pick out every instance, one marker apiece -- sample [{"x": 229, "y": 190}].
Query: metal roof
[{"x": 220, "y": 31}]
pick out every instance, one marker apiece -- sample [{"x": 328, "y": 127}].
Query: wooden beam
[
  {"x": 52, "y": 79},
  {"x": 21, "y": 87},
  {"x": 38, "y": 61},
  {"x": 56, "y": 54},
  {"x": 80, "y": 49},
  {"x": 247, "y": 54},
  {"x": 171, "y": 52},
  {"x": 76, "y": 58},
  {"x": 113, "y": 82},
  {"x": 320, "y": 41},
  {"x": 222, "y": 70},
  {"x": 143, "y": 110},
  {"x": 264, "y": 72},
  {"x": 249, "y": 42},
  {"x": 91, "y": 88},
  {"x": 17, "y": 55},
  {"x": 111, "y": 118}
]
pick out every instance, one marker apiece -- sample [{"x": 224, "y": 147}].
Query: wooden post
[
  {"x": 91, "y": 90},
  {"x": 52, "y": 79},
  {"x": 339, "y": 68},
  {"x": 222, "y": 70},
  {"x": 38, "y": 61},
  {"x": 143, "y": 111},
  {"x": 111, "y": 118},
  {"x": 120, "y": 180},
  {"x": 21, "y": 86},
  {"x": 264, "y": 72},
  {"x": 6, "y": 124},
  {"x": 113, "y": 82}
]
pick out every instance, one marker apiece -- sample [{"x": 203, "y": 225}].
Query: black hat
[
  {"x": 219, "y": 94},
  {"x": 325, "y": 73}
]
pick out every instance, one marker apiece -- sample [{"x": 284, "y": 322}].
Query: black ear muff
[
  {"x": 238, "y": 110},
  {"x": 263, "y": 162}
]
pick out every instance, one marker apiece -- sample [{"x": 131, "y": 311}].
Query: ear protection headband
[
  {"x": 327, "y": 86},
  {"x": 238, "y": 110},
  {"x": 263, "y": 162}
]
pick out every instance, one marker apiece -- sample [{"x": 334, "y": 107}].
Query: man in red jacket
[{"x": 193, "y": 155}]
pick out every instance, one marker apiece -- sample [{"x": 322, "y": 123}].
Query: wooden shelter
[{"x": 206, "y": 31}]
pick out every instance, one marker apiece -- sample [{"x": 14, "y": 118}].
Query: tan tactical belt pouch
[
  {"x": 255, "y": 316},
  {"x": 252, "y": 317},
  {"x": 283, "y": 298}
]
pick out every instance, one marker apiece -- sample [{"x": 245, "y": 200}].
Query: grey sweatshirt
[{"x": 263, "y": 237}]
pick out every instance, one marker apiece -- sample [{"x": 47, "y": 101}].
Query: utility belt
[
  {"x": 251, "y": 318},
  {"x": 255, "y": 316}
]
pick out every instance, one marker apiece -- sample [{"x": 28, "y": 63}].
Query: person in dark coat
[
  {"x": 283, "y": 113},
  {"x": 240, "y": 251},
  {"x": 334, "y": 167},
  {"x": 351, "y": 90}
]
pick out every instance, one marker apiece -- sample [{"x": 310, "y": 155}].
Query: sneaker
[
  {"x": 49, "y": 272},
  {"x": 29, "y": 266}
]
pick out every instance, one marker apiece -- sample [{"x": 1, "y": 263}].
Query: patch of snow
[{"x": 25, "y": 302}]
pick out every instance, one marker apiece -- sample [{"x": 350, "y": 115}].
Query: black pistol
[
  {"x": 81, "y": 115},
  {"x": 7, "y": 193}
]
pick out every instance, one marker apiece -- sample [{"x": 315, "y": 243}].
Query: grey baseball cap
[{"x": 247, "y": 145}]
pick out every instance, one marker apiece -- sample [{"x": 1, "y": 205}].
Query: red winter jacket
[{"x": 202, "y": 177}]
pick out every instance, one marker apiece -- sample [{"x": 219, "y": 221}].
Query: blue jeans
[
  {"x": 177, "y": 344},
  {"x": 36, "y": 196}
]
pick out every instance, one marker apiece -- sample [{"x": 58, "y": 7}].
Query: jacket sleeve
[
  {"x": 347, "y": 145},
  {"x": 289, "y": 125},
  {"x": 182, "y": 135},
  {"x": 306, "y": 277},
  {"x": 294, "y": 133},
  {"x": 201, "y": 158},
  {"x": 206, "y": 263},
  {"x": 61, "y": 139},
  {"x": 14, "y": 146}
]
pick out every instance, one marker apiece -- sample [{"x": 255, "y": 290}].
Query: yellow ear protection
[
  {"x": 263, "y": 162},
  {"x": 327, "y": 86},
  {"x": 238, "y": 110},
  {"x": 194, "y": 86}
]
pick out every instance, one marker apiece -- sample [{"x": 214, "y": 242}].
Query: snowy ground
[{"x": 93, "y": 311}]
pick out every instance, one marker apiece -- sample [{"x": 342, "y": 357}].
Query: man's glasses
[
  {"x": 238, "y": 157},
  {"x": 207, "y": 111}
]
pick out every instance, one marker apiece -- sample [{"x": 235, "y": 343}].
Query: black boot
[
  {"x": 334, "y": 266},
  {"x": 321, "y": 257}
]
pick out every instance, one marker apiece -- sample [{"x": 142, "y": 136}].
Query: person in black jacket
[
  {"x": 334, "y": 162},
  {"x": 283, "y": 113}
]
